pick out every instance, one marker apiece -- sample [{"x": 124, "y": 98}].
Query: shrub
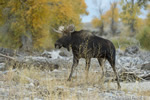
[
  {"x": 144, "y": 37},
  {"x": 122, "y": 42}
]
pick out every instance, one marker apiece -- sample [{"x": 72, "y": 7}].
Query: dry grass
[
  {"x": 33, "y": 83},
  {"x": 144, "y": 93}
]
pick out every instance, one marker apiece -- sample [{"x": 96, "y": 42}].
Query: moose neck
[{"x": 67, "y": 42}]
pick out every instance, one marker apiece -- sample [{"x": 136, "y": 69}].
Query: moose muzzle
[{"x": 58, "y": 45}]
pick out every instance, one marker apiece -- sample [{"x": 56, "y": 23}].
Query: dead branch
[{"x": 11, "y": 58}]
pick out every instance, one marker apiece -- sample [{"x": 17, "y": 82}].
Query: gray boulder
[
  {"x": 65, "y": 53},
  {"x": 46, "y": 54},
  {"x": 131, "y": 50},
  {"x": 119, "y": 52},
  {"x": 145, "y": 66}
]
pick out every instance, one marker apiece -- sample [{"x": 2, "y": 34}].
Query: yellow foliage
[
  {"x": 129, "y": 12},
  {"x": 68, "y": 12},
  {"x": 2, "y": 16},
  {"x": 96, "y": 22},
  {"x": 139, "y": 23},
  {"x": 106, "y": 17},
  {"x": 148, "y": 17},
  {"x": 109, "y": 15},
  {"x": 35, "y": 17}
]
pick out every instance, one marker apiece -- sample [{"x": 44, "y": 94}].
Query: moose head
[{"x": 66, "y": 32}]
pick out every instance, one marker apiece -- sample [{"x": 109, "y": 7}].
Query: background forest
[{"x": 27, "y": 24}]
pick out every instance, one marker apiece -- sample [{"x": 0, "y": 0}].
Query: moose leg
[
  {"x": 102, "y": 62},
  {"x": 114, "y": 69},
  {"x": 88, "y": 61},
  {"x": 112, "y": 63},
  {"x": 74, "y": 65}
]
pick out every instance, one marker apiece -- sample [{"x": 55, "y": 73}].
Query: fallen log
[
  {"x": 8, "y": 57},
  {"x": 146, "y": 77},
  {"x": 23, "y": 62},
  {"x": 129, "y": 77}
]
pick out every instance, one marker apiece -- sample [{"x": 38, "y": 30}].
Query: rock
[
  {"x": 147, "y": 77},
  {"x": 55, "y": 54},
  {"x": 46, "y": 65},
  {"x": 46, "y": 54},
  {"x": 36, "y": 83},
  {"x": 129, "y": 61},
  {"x": 145, "y": 66},
  {"x": 54, "y": 66},
  {"x": 119, "y": 52},
  {"x": 2, "y": 65},
  {"x": 145, "y": 56},
  {"x": 2, "y": 59},
  {"x": 131, "y": 50},
  {"x": 65, "y": 53},
  {"x": 31, "y": 84}
]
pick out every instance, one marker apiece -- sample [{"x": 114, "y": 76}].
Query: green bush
[
  {"x": 122, "y": 42},
  {"x": 144, "y": 37}
]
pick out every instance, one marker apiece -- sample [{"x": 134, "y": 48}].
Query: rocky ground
[{"x": 44, "y": 77}]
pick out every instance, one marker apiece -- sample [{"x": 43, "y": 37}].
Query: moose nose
[{"x": 58, "y": 45}]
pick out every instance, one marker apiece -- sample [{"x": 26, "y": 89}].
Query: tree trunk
[
  {"x": 26, "y": 42},
  {"x": 102, "y": 29},
  {"x": 27, "y": 38},
  {"x": 132, "y": 24},
  {"x": 113, "y": 27}
]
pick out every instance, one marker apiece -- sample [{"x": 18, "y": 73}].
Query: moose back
[{"x": 86, "y": 45}]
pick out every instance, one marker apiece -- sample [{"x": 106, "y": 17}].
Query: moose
[{"x": 85, "y": 44}]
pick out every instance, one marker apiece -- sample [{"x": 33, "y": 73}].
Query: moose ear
[{"x": 71, "y": 28}]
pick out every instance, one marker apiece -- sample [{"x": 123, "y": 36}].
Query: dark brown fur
[{"x": 86, "y": 45}]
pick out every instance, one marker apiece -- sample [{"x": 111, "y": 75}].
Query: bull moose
[{"x": 86, "y": 45}]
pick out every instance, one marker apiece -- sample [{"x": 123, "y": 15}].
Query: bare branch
[
  {"x": 11, "y": 58},
  {"x": 100, "y": 9},
  {"x": 127, "y": 2}
]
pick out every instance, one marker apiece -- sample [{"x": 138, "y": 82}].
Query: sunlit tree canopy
[{"x": 34, "y": 19}]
